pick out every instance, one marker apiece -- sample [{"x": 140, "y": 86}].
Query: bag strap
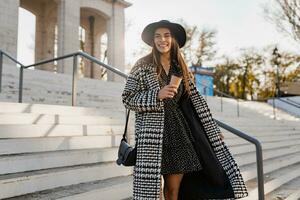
[{"x": 126, "y": 125}]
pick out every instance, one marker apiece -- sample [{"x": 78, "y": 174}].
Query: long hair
[{"x": 175, "y": 54}]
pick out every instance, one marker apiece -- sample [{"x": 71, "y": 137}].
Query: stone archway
[
  {"x": 113, "y": 12},
  {"x": 57, "y": 30},
  {"x": 46, "y": 20},
  {"x": 94, "y": 23}
]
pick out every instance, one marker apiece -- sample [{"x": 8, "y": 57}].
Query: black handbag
[{"x": 126, "y": 153}]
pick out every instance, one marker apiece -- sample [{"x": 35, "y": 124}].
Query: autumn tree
[
  {"x": 250, "y": 63},
  {"x": 288, "y": 71},
  {"x": 225, "y": 74},
  {"x": 206, "y": 50}
]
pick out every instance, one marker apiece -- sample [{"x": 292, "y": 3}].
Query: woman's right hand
[{"x": 167, "y": 91}]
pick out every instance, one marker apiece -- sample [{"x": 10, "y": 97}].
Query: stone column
[
  {"x": 98, "y": 70},
  {"x": 116, "y": 47},
  {"x": 45, "y": 34},
  {"x": 68, "y": 36},
  {"x": 9, "y": 27}
]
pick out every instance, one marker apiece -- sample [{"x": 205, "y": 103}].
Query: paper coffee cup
[{"x": 175, "y": 80}]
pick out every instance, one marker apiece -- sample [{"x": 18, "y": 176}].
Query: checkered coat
[{"x": 140, "y": 95}]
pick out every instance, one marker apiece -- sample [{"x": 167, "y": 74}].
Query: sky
[{"x": 239, "y": 23}]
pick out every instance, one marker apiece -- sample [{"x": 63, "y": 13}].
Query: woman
[{"x": 176, "y": 135}]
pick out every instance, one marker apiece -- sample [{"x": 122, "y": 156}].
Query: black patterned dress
[{"x": 178, "y": 154}]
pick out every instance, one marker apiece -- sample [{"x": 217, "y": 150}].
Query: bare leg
[
  {"x": 172, "y": 185},
  {"x": 161, "y": 192}
]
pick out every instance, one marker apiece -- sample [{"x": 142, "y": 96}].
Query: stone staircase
[
  {"x": 280, "y": 141},
  {"x": 43, "y": 147},
  {"x": 64, "y": 152},
  {"x": 288, "y": 104}
]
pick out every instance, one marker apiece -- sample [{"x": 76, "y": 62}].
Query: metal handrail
[
  {"x": 1, "y": 66},
  {"x": 10, "y": 57},
  {"x": 226, "y": 95},
  {"x": 291, "y": 103},
  {"x": 74, "y": 77},
  {"x": 259, "y": 156},
  {"x": 295, "y": 102},
  {"x": 83, "y": 54}
]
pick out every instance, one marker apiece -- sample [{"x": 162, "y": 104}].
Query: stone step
[
  {"x": 235, "y": 141},
  {"x": 35, "y": 78},
  {"x": 274, "y": 145},
  {"x": 51, "y": 130},
  {"x": 263, "y": 130},
  {"x": 99, "y": 102},
  {"x": 271, "y": 165},
  {"x": 240, "y": 125},
  {"x": 249, "y": 108},
  {"x": 125, "y": 191},
  {"x": 249, "y": 158},
  {"x": 43, "y": 144},
  {"x": 284, "y": 191},
  {"x": 7, "y": 107},
  {"x": 257, "y": 135},
  {"x": 27, "y": 161},
  {"x": 57, "y": 97},
  {"x": 253, "y": 121},
  {"x": 294, "y": 196},
  {"x": 109, "y": 189},
  {"x": 45, "y": 160},
  {"x": 248, "y": 122},
  {"x": 113, "y": 89},
  {"x": 29, "y": 182},
  {"x": 276, "y": 179},
  {"x": 33, "y": 118}
]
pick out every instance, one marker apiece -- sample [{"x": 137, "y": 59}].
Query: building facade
[{"x": 66, "y": 26}]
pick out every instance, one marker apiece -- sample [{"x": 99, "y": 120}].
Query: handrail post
[
  {"x": 238, "y": 107},
  {"x": 1, "y": 69},
  {"x": 274, "y": 111},
  {"x": 74, "y": 80},
  {"x": 260, "y": 171},
  {"x": 21, "y": 84},
  {"x": 259, "y": 156},
  {"x": 221, "y": 102},
  {"x": 205, "y": 93}
]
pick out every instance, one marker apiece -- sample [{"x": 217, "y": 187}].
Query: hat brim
[{"x": 176, "y": 29}]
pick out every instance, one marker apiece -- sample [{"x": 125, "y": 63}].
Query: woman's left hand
[{"x": 221, "y": 136}]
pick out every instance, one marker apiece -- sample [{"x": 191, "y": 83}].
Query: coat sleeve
[{"x": 139, "y": 99}]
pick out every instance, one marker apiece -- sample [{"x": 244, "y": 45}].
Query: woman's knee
[
  {"x": 172, "y": 191},
  {"x": 172, "y": 184}
]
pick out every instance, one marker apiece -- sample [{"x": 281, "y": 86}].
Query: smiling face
[{"x": 163, "y": 40}]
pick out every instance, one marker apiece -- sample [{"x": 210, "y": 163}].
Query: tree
[
  {"x": 206, "y": 47},
  {"x": 187, "y": 50},
  {"x": 200, "y": 44},
  {"x": 285, "y": 14},
  {"x": 249, "y": 62},
  {"x": 225, "y": 74},
  {"x": 288, "y": 71}
]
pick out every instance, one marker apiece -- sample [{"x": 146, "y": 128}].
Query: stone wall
[{"x": 51, "y": 88}]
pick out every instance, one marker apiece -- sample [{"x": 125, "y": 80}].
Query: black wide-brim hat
[{"x": 177, "y": 31}]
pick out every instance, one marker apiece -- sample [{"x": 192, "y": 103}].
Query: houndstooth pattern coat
[{"x": 140, "y": 95}]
